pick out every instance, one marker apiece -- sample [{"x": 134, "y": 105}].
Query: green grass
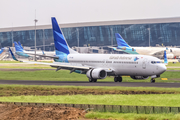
[
  {"x": 64, "y": 75},
  {"x": 28, "y": 67},
  {"x": 173, "y": 64},
  {"x": 2, "y": 61},
  {"x": 99, "y": 88},
  {"x": 138, "y": 100},
  {"x": 131, "y": 116}
]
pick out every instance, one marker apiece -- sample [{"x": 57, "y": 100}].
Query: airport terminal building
[{"x": 160, "y": 31}]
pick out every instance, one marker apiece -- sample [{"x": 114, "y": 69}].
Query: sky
[{"x": 17, "y": 13}]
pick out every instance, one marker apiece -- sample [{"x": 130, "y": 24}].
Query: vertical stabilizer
[
  {"x": 60, "y": 42},
  {"x": 165, "y": 57},
  {"x": 120, "y": 41},
  {"x": 20, "y": 44},
  {"x": 17, "y": 47}
]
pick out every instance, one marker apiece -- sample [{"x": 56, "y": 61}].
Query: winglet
[
  {"x": 13, "y": 55},
  {"x": 165, "y": 57},
  {"x": 121, "y": 41}
]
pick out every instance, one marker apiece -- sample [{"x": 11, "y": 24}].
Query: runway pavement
[{"x": 83, "y": 83}]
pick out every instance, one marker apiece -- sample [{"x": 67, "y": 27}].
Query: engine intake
[
  {"x": 139, "y": 77},
  {"x": 96, "y": 73}
]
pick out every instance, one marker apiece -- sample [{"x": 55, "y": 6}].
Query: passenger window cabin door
[{"x": 144, "y": 63}]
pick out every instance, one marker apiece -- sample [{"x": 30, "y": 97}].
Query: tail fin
[
  {"x": 120, "y": 40},
  {"x": 60, "y": 42},
  {"x": 2, "y": 50},
  {"x": 20, "y": 45},
  {"x": 17, "y": 47},
  {"x": 165, "y": 57},
  {"x": 12, "y": 55}
]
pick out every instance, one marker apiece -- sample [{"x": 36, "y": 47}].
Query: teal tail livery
[
  {"x": 99, "y": 66},
  {"x": 61, "y": 46},
  {"x": 123, "y": 46},
  {"x": 165, "y": 57},
  {"x": 20, "y": 50}
]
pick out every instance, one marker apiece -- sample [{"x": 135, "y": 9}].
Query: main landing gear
[
  {"x": 118, "y": 79},
  {"x": 92, "y": 80},
  {"x": 152, "y": 80}
]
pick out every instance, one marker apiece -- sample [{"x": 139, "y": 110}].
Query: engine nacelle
[
  {"x": 139, "y": 77},
  {"x": 96, "y": 73}
]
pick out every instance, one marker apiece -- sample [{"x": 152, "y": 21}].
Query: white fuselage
[
  {"x": 152, "y": 50},
  {"x": 121, "y": 64}
]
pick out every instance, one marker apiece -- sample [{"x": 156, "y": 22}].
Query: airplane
[
  {"x": 153, "y": 51},
  {"x": 38, "y": 52},
  {"x": 99, "y": 66},
  {"x": 30, "y": 54},
  {"x": 3, "y": 53}
]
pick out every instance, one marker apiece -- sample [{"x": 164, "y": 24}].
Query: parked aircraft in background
[
  {"x": 99, "y": 66},
  {"x": 30, "y": 54},
  {"x": 3, "y": 53},
  {"x": 21, "y": 52},
  {"x": 153, "y": 51}
]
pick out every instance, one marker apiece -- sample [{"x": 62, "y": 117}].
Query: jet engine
[
  {"x": 97, "y": 73},
  {"x": 139, "y": 77}
]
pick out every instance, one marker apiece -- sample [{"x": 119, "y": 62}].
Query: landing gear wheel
[
  {"x": 120, "y": 79},
  {"x": 117, "y": 79},
  {"x": 92, "y": 80},
  {"x": 152, "y": 80}
]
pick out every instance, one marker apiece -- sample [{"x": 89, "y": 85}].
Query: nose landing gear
[
  {"x": 118, "y": 79},
  {"x": 152, "y": 80}
]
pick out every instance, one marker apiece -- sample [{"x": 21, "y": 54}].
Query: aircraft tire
[
  {"x": 119, "y": 79},
  {"x": 115, "y": 79},
  {"x": 94, "y": 80},
  {"x": 152, "y": 80},
  {"x": 90, "y": 80}
]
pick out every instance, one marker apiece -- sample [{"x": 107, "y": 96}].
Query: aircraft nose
[{"x": 162, "y": 68}]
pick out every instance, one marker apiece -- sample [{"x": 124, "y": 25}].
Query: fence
[{"x": 110, "y": 108}]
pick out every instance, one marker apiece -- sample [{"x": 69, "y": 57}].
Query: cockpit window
[{"x": 156, "y": 62}]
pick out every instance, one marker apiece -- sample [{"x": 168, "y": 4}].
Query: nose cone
[{"x": 162, "y": 68}]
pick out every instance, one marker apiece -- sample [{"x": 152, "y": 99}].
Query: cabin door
[{"x": 144, "y": 63}]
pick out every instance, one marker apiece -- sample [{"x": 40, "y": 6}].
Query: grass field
[
  {"x": 136, "y": 100},
  {"x": 64, "y": 75},
  {"x": 131, "y": 116},
  {"x": 17, "y": 90}
]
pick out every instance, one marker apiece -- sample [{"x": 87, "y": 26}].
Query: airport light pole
[
  {"x": 112, "y": 38},
  {"x": 43, "y": 41},
  {"x": 35, "y": 40},
  {"x": 77, "y": 36},
  {"x": 12, "y": 36},
  {"x": 149, "y": 35}
]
